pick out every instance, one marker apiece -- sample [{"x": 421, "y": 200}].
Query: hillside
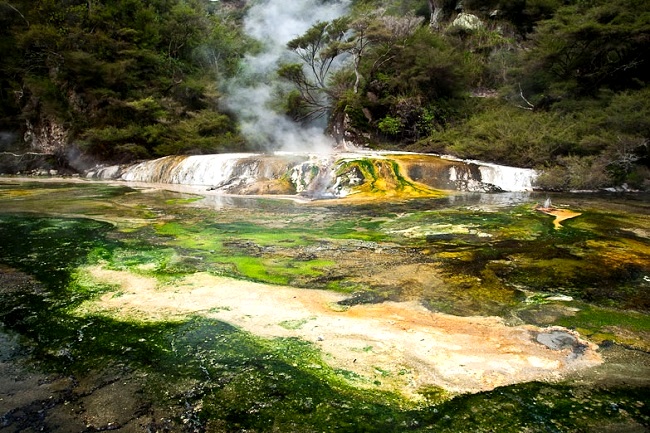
[{"x": 560, "y": 86}]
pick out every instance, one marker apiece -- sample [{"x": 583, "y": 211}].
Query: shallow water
[{"x": 69, "y": 367}]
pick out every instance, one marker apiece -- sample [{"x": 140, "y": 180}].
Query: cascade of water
[
  {"x": 465, "y": 179},
  {"x": 507, "y": 178},
  {"x": 214, "y": 170},
  {"x": 315, "y": 177},
  {"x": 321, "y": 175}
]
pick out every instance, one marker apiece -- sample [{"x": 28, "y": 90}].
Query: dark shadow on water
[{"x": 205, "y": 375}]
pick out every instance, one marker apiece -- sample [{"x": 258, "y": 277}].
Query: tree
[
  {"x": 435, "y": 9},
  {"x": 318, "y": 49},
  {"x": 343, "y": 42},
  {"x": 385, "y": 33},
  {"x": 123, "y": 78},
  {"x": 584, "y": 49},
  {"x": 420, "y": 85},
  {"x": 438, "y": 9}
]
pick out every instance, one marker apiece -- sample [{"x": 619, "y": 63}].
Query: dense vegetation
[
  {"x": 125, "y": 79},
  {"x": 559, "y": 85}
]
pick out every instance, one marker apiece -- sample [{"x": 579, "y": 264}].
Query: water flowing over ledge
[{"x": 324, "y": 175}]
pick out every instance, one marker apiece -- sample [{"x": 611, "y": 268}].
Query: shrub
[
  {"x": 576, "y": 173},
  {"x": 390, "y": 126}
]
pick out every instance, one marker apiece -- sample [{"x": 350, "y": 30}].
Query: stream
[{"x": 136, "y": 307}]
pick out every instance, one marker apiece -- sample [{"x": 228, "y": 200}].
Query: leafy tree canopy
[
  {"x": 560, "y": 85},
  {"x": 125, "y": 77}
]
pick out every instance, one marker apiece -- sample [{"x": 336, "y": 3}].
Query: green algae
[
  {"x": 383, "y": 178},
  {"x": 519, "y": 223},
  {"x": 359, "y": 229},
  {"x": 50, "y": 248},
  {"x": 537, "y": 407},
  {"x": 294, "y": 324},
  {"x": 234, "y": 381},
  {"x": 574, "y": 261},
  {"x": 602, "y": 324},
  {"x": 181, "y": 201}
]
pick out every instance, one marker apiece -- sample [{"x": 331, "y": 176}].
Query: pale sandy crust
[{"x": 393, "y": 345}]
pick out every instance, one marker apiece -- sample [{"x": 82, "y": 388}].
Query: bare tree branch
[
  {"x": 530, "y": 106},
  {"x": 10, "y": 6}
]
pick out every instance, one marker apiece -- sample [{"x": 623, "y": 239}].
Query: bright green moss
[
  {"x": 600, "y": 324},
  {"x": 294, "y": 324},
  {"x": 273, "y": 271},
  {"x": 173, "y": 228},
  {"x": 238, "y": 381},
  {"x": 181, "y": 201}
]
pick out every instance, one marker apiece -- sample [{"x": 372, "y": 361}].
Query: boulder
[{"x": 467, "y": 22}]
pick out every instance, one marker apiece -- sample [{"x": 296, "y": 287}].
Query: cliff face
[
  {"x": 46, "y": 135},
  {"x": 38, "y": 142}
]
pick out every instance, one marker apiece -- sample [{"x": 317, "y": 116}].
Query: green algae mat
[{"x": 133, "y": 309}]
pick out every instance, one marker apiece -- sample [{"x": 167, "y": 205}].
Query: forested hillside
[
  {"x": 558, "y": 85},
  {"x": 120, "y": 80}
]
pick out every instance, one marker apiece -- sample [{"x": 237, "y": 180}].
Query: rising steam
[{"x": 274, "y": 23}]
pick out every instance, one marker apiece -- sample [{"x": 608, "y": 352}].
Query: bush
[
  {"x": 390, "y": 126},
  {"x": 510, "y": 135},
  {"x": 576, "y": 173}
]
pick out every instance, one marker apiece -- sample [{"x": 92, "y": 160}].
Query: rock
[
  {"x": 467, "y": 22},
  {"x": 46, "y": 135},
  {"x": 560, "y": 298},
  {"x": 557, "y": 340}
]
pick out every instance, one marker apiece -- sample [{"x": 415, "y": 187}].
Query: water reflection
[
  {"x": 495, "y": 200},
  {"x": 225, "y": 201},
  {"x": 466, "y": 254}
]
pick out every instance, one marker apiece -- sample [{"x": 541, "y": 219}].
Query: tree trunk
[
  {"x": 357, "y": 74},
  {"x": 435, "y": 9}
]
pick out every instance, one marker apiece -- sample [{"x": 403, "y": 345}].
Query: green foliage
[
  {"x": 221, "y": 51},
  {"x": 579, "y": 144},
  {"x": 427, "y": 66},
  {"x": 131, "y": 79},
  {"x": 352, "y": 107},
  {"x": 128, "y": 77},
  {"x": 507, "y": 134},
  {"x": 585, "y": 48},
  {"x": 578, "y": 104},
  {"x": 205, "y": 132},
  {"x": 575, "y": 173},
  {"x": 390, "y": 125},
  {"x": 318, "y": 48},
  {"x": 46, "y": 95},
  {"x": 413, "y": 91}
]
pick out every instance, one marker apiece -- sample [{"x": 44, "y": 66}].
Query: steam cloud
[
  {"x": 274, "y": 23},
  {"x": 7, "y": 140}
]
